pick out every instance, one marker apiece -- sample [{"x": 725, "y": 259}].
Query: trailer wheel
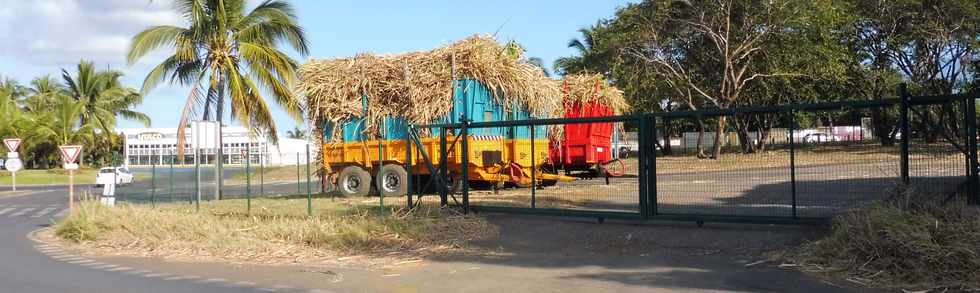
[
  {"x": 548, "y": 183},
  {"x": 354, "y": 181},
  {"x": 393, "y": 180}
]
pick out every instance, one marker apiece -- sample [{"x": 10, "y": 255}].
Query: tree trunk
[
  {"x": 700, "y": 146},
  {"x": 719, "y": 134},
  {"x": 666, "y": 148}
]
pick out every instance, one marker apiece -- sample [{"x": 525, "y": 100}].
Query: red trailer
[{"x": 586, "y": 146}]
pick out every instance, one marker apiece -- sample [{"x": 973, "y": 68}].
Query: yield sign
[
  {"x": 12, "y": 144},
  {"x": 244, "y": 153},
  {"x": 69, "y": 153}
]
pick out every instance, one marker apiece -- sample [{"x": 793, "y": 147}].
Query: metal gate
[{"x": 775, "y": 164}]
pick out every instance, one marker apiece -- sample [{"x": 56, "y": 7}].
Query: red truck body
[{"x": 584, "y": 145}]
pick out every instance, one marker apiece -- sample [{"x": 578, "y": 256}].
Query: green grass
[
  {"x": 275, "y": 229},
  {"x": 46, "y": 177}
]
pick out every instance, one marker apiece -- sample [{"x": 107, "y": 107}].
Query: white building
[{"x": 147, "y": 146}]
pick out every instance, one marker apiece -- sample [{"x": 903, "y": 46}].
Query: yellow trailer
[{"x": 492, "y": 160}]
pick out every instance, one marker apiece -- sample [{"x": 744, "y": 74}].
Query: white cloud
[{"x": 60, "y": 32}]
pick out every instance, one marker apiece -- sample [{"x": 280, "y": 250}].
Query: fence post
[
  {"x": 792, "y": 159},
  {"x": 642, "y": 140},
  {"x": 299, "y": 182},
  {"x": 248, "y": 178},
  {"x": 197, "y": 179},
  {"x": 651, "y": 158},
  {"x": 408, "y": 165},
  {"x": 171, "y": 197},
  {"x": 971, "y": 132},
  {"x": 262, "y": 157},
  {"x": 534, "y": 167},
  {"x": 153, "y": 183},
  {"x": 309, "y": 191},
  {"x": 904, "y": 126},
  {"x": 443, "y": 156},
  {"x": 464, "y": 153},
  {"x": 381, "y": 156}
]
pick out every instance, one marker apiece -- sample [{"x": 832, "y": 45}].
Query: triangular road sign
[
  {"x": 12, "y": 144},
  {"x": 69, "y": 153}
]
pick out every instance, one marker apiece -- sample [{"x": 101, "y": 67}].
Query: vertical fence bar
[
  {"x": 534, "y": 167},
  {"x": 408, "y": 165},
  {"x": 464, "y": 153},
  {"x": 299, "y": 182},
  {"x": 642, "y": 137},
  {"x": 309, "y": 190},
  {"x": 443, "y": 157},
  {"x": 792, "y": 159},
  {"x": 379, "y": 177},
  {"x": 906, "y": 134},
  {"x": 971, "y": 132},
  {"x": 153, "y": 183},
  {"x": 248, "y": 178},
  {"x": 197, "y": 178},
  {"x": 651, "y": 157},
  {"x": 171, "y": 196},
  {"x": 262, "y": 157}
]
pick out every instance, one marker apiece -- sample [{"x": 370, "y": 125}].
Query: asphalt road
[{"x": 25, "y": 269}]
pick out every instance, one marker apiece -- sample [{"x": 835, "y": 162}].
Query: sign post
[
  {"x": 13, "y": 163},
  {"x": 69, "y": 153}
]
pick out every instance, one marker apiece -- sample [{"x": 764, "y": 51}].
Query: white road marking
[
  {"x": 245, "y": 284},
  {"x": 119, "y": 269},
  {"x": 157, "y": 275},
  {"x": 82, "y": 261},
  {"x": 92, "y": 264},
  {"x": 21, "y": 212},
  {"x": 105, "y": 266},
  {"x": 213, "y": 280},
  {"x": 60, "y": 214},
  {"x": 6, "y": 210},
  {"x": 43, "y": 212}
]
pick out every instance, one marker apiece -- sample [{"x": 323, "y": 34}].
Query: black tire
[
  {"x": 354, "y": 181},
  {"x": 548, "y": 183},
  {"x": 624, "y": 152},
  {"x": 392, "y": 180}
]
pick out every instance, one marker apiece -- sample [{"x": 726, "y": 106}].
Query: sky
[{"x": 39, "y": 37}]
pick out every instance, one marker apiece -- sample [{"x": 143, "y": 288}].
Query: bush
[{"x": 913, "y": 241}]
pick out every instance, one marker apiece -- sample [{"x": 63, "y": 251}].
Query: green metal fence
[{"x": 774, "y": 168}]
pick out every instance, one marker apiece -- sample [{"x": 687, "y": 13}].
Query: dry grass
[
  {"x": 586, "y": 87},
  {"x": 277, "y": 230},
  {"x": 418, "y": 86},
  {"x": 910, "y": 242}
]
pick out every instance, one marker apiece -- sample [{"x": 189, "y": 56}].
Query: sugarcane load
[{"x": 364, "y": 106}]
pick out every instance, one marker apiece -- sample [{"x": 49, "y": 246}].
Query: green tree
[
  {"x": 103, "y": 96},
  {"x": 63, "y": 124},
  {"x": 43, "y": 93},
  {"x": 296, "y": 133},
  {"x": 228, "y": 54}
]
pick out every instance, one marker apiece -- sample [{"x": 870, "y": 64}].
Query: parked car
[
  {"x": 820, "y": 137},
  {"x": 121, "y": 175}
]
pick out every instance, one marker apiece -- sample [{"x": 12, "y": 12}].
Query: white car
[
  {"x": 820, "y": 137},
  {"x": 121, "y": 175}
]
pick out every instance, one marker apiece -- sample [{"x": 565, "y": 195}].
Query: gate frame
[{"x": 647, "y": 194}]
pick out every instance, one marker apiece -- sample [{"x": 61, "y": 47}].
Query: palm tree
[
  {"x": 226, "y": 52},
  {"x": 103, "y": 96},
  {"x": 13, "y": 88},
  {"x": 43, "y": 94},
  {"x": 62, "y": 125},
  {"x": 296, "y": 133},
  {"x": 585, "y": 61}
]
